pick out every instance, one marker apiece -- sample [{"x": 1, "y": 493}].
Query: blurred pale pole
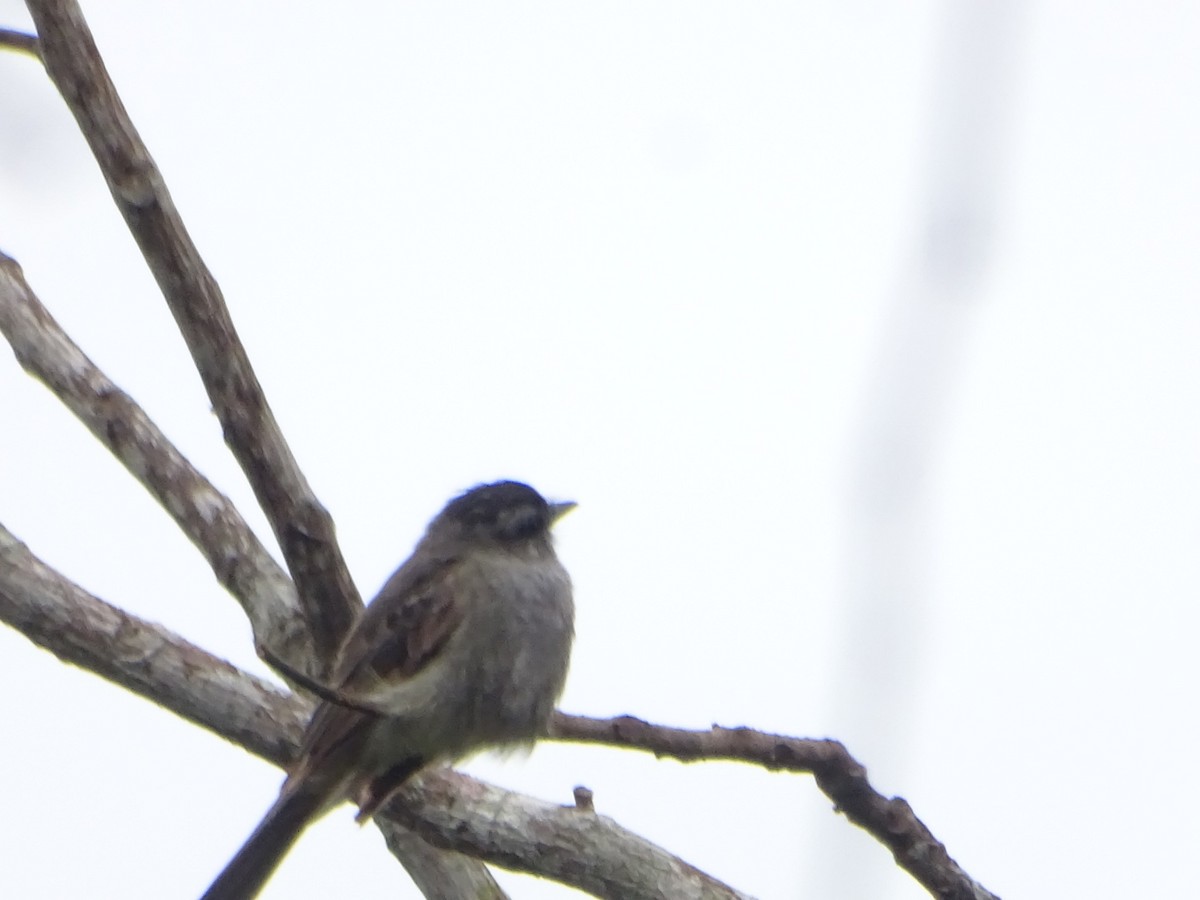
[{"x": 893, "y": 455}]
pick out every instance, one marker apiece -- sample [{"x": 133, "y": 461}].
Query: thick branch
[
  {"x": 437, "y": 874},
  {"x": 890, "y": 820},
  {"x": 446, "y": 808},
  {"x": 571, "y": 845},
  {"x": 302, "y": 526},
  {"x": 149, "y": 660},
  {"x": 238, "y": 559}
]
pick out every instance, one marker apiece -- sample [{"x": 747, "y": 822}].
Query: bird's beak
[{"x": 558, "y": 510}]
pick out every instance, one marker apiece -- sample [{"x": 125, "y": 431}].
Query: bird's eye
[{"x": 521, "y": 522}]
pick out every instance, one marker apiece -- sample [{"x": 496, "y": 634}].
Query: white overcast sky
[{"x": 865, "y": 334}]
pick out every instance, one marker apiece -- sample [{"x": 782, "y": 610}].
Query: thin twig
[
  {"x": 843, "y": 779},
  {"x": 301, "y": 524},
  {"x": 11, "y": 39}
]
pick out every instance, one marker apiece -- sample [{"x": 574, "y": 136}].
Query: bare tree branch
[
  {"x": 843, "y": 779},
  {"x": 437, "y": 874},
  {"x": 771, "y": 751},
  {"x": 238, "y": 559},
  {"x": 149, "y": 660},
  {"x": 447, "y": 809},
  {"x": 571, "y": 845},
  {"x": 301, "y": 524},
  {"x": 10, "y": 39}
]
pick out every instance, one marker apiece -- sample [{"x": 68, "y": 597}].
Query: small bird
[{"x": 465, "y": 647}]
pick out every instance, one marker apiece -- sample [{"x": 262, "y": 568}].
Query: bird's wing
[
  {"x": 404, "y": 628},
  {"x": 401, "y": 631}
]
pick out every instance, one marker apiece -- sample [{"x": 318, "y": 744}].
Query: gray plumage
[{"x": 465, "y": 647}]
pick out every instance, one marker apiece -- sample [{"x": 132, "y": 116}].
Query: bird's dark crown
[{"x": 504, "y": 511}]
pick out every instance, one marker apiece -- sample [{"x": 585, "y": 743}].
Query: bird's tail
[{"x": 284, "y": 822}]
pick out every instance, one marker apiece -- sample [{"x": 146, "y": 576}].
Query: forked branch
[{"x": 301, "y": 524}]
